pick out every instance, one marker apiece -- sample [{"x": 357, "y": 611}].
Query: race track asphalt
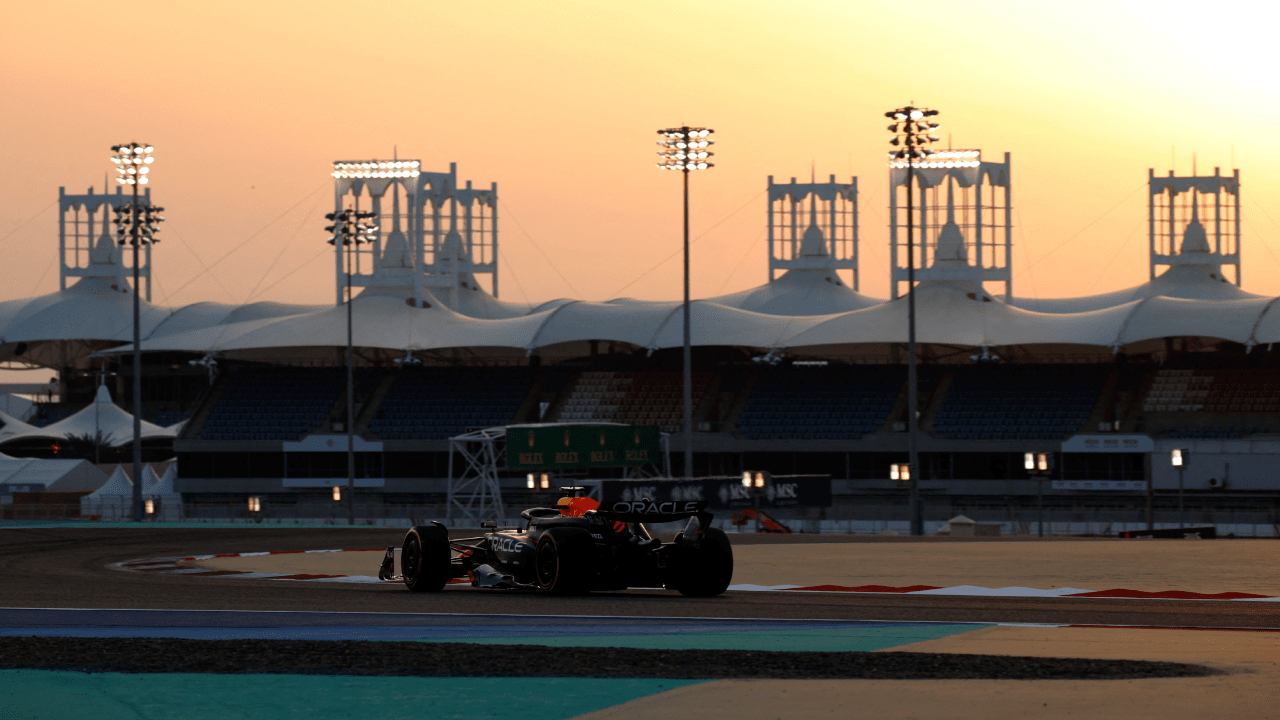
[{"x": 67, "y": 567}]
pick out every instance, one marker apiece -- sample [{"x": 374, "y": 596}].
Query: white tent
[
  {"x": 164, "y": 485},
  {"x": 13, "y": 427},
  {"x": 149, "y": 480},
  {"x": 20, "y": 407},
  {"x": 168, "y": 501},
  {"x": 112, "y": 501},
  {"x": 30, "y": 474},
  {"x": 101, "y": 415}
]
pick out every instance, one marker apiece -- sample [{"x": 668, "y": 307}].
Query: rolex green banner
[{"x": 553, "y": 446}]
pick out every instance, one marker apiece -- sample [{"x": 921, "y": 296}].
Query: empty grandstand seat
[
  {"x": 839, "y": 403},
  {"x": 648, "y": 397},
  {"x": 441, "y": 402},
  {"x": 1009, "y": 403},
  {"x": 273, "y": 403},
  {"x": 1235, "y": 390}
]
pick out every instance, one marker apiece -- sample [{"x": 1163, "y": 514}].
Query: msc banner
[
  {"x": 721, "y": 492},
  {"x": 572, "y": 446},
  {"x": 1122, "y": 485},
  {"x": 1108, "y": 444}
]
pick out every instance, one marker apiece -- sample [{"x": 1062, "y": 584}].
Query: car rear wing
[{"x": 648, "y": 511}]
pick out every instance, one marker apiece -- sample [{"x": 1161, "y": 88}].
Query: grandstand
[
  {"x": 273, "y": 404},
  {"x": 1047, "y": 403},
  {"x": 819, "y": 405},
  {"x": 800, "y": 375},
  {"x": 435, "y": 405},
  {"x": 638, "y": 398}
]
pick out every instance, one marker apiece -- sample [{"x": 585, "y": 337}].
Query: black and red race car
[{"x": 575, "y": 548}]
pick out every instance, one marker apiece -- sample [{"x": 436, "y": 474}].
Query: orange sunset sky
[{"x": 247, "y": 104}]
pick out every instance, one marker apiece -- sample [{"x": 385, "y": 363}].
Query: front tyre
[
  {"x": 562, "y": 561},
  {"x": 704, "y": 571},
  {"x": 425, "y": 558}
]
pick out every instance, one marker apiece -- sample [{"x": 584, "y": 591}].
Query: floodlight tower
[
  {"x": 911, "y": 137},
  {"x": 136, "y": 225},
  {"x": 965, "y": 217},
  {"x": 444, "y": 236},
  {"x": 685, "y": 149},
  {"x": 350, "y": 230},
  {"x": 1201, "y": 210},
  {"x": 814, "y": 226}
]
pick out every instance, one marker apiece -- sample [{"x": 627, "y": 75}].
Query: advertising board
[{"x": 540, "y": 447}]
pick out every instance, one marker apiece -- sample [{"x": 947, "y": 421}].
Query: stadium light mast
[
  {"x": 911, "y": 136},
  {"x": 351, "y": 229},
  {"x": 136, "y": 225},
  {"x": 685, "y": 149}
]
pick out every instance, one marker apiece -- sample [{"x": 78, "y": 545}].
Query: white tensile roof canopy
[
  {"x": 806, "y": 309},
  {"x": 947, "y": 314}
]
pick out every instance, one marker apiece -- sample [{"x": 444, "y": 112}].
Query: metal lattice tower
[
  {"x": 965, "y": 221},
  {"x": 476, "y": 493},
  {"x": 87, "y": 244},
  {"x": 814, "y": 226},
  {"x": 431, "y": 233},
  {"x": 1194, "y": 220}
]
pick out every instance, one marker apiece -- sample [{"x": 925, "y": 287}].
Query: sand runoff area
[
  {"x": 1202, "y": 566},
  {"x": 1250, "y": 689}
]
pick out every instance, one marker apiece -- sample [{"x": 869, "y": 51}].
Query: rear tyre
[
  {"x": 562, "y": 561},
  {"x": 425, "y": 558},
  {"x": 704, "y": 571}
]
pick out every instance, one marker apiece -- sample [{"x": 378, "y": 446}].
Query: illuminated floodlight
[
  {"x": 129, "y": 155},
  {"x": 682, "y": 149},
  {"x": 376, "y": 169}
]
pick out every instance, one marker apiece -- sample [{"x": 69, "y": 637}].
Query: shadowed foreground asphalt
[{"x": 310, "y": 657}]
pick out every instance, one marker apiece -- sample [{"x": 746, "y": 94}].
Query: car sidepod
[{"x": 513, "y": 554}]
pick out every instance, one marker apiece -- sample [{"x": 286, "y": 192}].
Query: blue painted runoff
[{"x": 121, "y": 696}]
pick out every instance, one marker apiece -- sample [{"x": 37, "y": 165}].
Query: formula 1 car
[{"x": 575, "y": 548}]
